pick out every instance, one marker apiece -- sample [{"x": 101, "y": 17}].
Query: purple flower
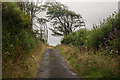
[
  {"x": 110, "y": 36},
  {"x": 115, "y": 30},
  {"x": 106, "y": 46},
  {"x": 118, "y": 31},
  {"x": 110, "y": 32}
]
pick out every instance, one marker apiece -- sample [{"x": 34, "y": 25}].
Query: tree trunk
[{"x": 31, "y": 19}]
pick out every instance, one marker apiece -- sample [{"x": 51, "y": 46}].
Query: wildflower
[
  {"x": 115, "y": 30},
  {"x": 11, "y": 45},
  {"x": 110, "y": 36},
  {"x": 111, "y": 51},
  {"x": 116, "y": 51},
  {"x": 106, "y": 46},
  {"x": 109, "y": 40},
  {"x": 118, "y": 31},
  {"x": 105, "y": 43},
  {"x": 110, "y": 32}
]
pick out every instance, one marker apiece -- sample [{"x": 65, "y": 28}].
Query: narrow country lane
[{"x": 54, "y": 66}]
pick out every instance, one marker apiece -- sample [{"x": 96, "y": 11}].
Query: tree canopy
[{"x": 63, "y": 20}]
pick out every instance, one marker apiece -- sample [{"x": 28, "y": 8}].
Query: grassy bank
[
  {"x": 90, "y": 65},
  {"x": 26, "y": 65}
]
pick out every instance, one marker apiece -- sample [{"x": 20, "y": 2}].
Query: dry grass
[
  {"x": 25, "y": 66},
  {"x": 90, "y": 65}
]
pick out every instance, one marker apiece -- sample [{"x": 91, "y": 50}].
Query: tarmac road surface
[{"x": 54, "y": 66}]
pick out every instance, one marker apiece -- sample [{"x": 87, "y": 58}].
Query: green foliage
[
  {"x": 112, "y": 42},
  {"x": 16, "y": 33},
  {"x": 95, "y": 37},
  {"x": 68, "y": 39},
  {"x": 90, "y": 66},
  {"x": 26, "y": 40},
  {"x": 81, "y": 37},
  {"x": 64, "y": 21},
  {"x": 42, "y": 40},
  {"x": 76, "y": 38}
]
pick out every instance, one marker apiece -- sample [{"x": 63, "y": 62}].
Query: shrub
[
  {"x": 95, "y": 37},
  {"x": 16, "y": 33},
  {"x": 75, "y": 38},
  {"x": 26, "y": 41},
  {"x": 112, "y": 42}
]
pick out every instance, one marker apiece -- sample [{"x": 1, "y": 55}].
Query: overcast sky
[{"x": 92, "y": 11}]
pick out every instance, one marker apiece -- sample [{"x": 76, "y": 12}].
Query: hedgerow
[{"x": 98, "y": 37}]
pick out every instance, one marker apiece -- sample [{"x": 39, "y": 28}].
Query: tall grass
[
  {"x": 21, "y": 49},
  {"x": 90, "y": 65},
  {"x": 25, "y": 66}
]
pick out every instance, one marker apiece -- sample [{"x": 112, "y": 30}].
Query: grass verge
[
  {"x": 24, "y": 66},
  {"x": 90, "y": 65}
]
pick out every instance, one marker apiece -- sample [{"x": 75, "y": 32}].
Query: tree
[
  {"x": 42, "y": 31},
  {"x": 32, "y": 9},
  {"x": 64, "y": 21},
  {"x": 16, "y": 34}
]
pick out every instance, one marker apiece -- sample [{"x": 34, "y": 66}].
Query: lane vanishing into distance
[{"x": 54, "y": 66}]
